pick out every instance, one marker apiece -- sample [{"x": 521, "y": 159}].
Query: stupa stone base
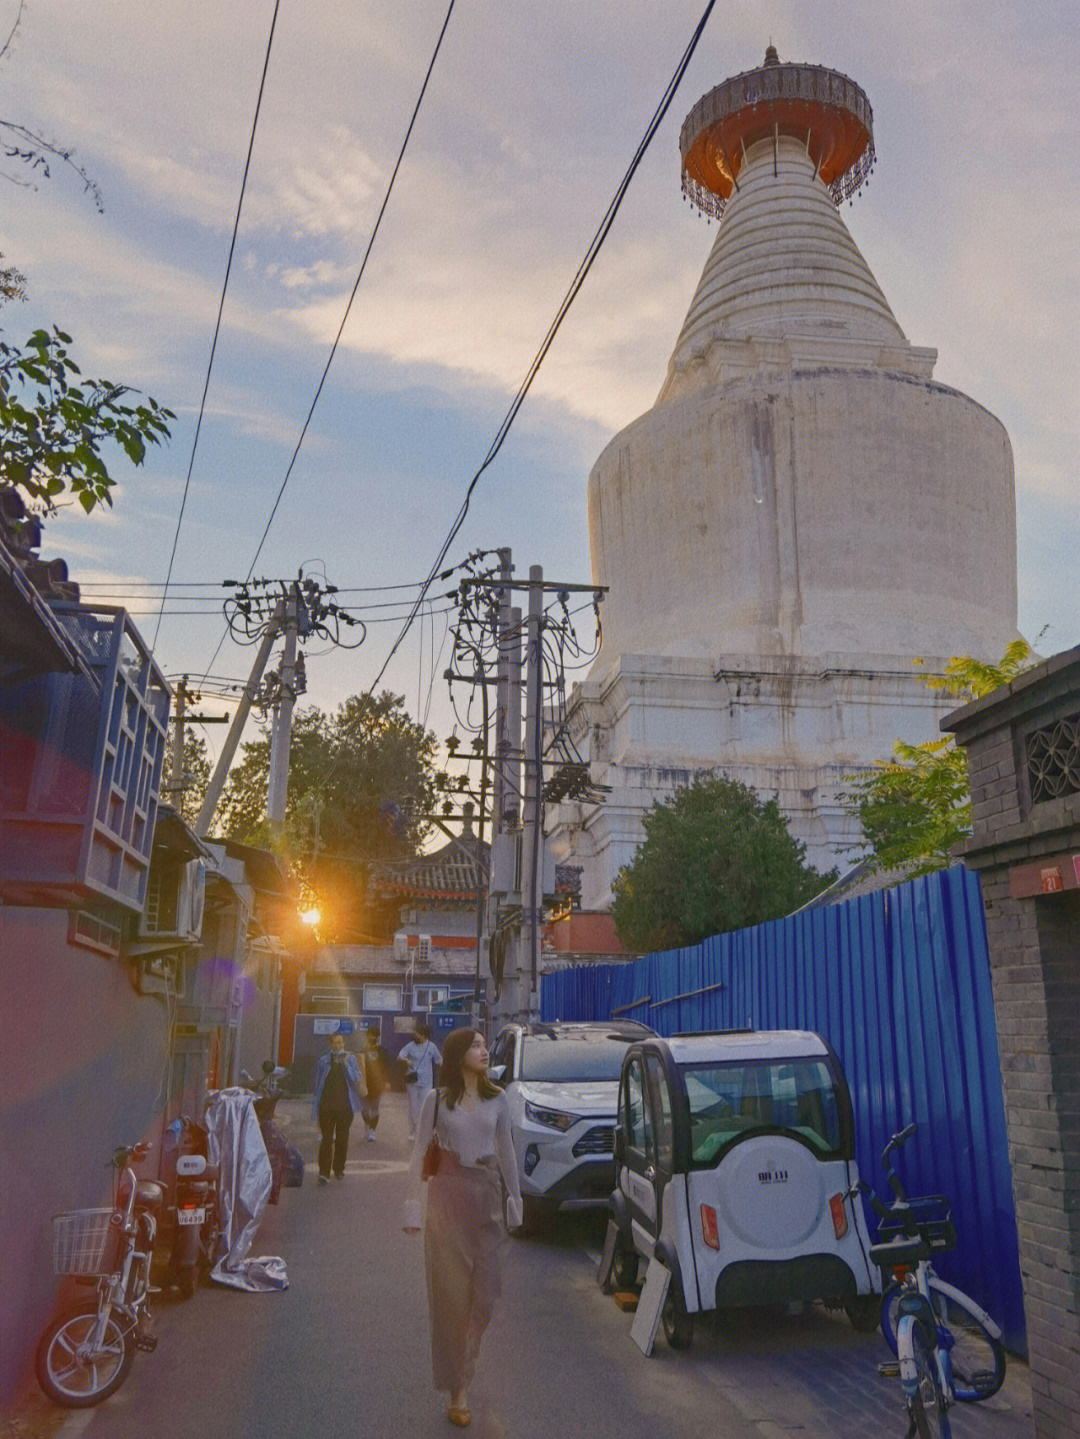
[{"x": 794, "y": 728}]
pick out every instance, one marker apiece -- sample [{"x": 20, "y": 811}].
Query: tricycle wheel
[
  {"x": 624, "y": 1270},
  {"x": 678, "y": 1324}
]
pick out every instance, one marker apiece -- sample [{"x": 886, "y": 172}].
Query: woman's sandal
[{"x": 460, "y": 1417}]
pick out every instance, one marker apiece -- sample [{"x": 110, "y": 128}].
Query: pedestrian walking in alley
[
  {"x": 339, "y": 1094},
  {"x": 422, "y": 1056},
  {"x": 376, "y": 1076},
  {"x": 468, "y": 1117}
]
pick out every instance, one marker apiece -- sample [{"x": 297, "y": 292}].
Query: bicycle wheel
[
  {"x": 977, "y": 1358},
  {"x": 929, "y": 1419},
  {"x": 71, "y": 1373}
]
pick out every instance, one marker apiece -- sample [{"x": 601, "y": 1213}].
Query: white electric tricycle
[{"x": 735, "y": 1159}]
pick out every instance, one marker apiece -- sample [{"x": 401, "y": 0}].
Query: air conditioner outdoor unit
[
  {"x": 175, "y": 896},
  {"x": 401, "y": 947}
]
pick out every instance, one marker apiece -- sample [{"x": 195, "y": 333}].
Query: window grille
[{"x": 1053, "y": 760}]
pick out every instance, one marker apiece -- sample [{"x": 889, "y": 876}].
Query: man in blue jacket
[{"x": 339, "y": 1094}]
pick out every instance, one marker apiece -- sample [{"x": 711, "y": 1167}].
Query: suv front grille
[{"x": 598, "y": 1140}]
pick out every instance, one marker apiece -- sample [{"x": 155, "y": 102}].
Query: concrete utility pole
[
  {"x": 281, "y": 735},
  {"x": 176, "y": 788},
  {"x": 516, "y": 885},
  {"x": 236, "y": 729},
  {"x": 532, "y": 866}
]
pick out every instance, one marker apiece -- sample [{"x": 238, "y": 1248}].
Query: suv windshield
[
  {"x": 570, "y": 1056},
  {"x": 728, "y": 1101}
]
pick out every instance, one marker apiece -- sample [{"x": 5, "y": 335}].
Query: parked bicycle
[
  {"x": 948, "y": 1347},
  {"x": 85, "y": 1353}
]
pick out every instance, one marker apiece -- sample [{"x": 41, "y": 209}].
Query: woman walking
[{"x": 464, "y": 1232}]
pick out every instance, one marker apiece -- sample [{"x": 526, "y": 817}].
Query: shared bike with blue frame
[{"x": 948, "y": 1346}]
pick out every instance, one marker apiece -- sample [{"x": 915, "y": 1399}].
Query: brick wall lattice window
[{"x": 1053, "y": 760}]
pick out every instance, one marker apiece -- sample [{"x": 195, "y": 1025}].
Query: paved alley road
[{"x": 344, "y": 1350}]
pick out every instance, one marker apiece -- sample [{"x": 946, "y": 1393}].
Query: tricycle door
[
  {"x": 639, "y": 1156},
  {"x": 662, "y": 1127}
]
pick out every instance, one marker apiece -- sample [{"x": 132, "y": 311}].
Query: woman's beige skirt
[{"x": 463, "y": 1241}]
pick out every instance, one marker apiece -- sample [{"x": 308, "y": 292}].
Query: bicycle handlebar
[{"x": 865, "y": 1188}]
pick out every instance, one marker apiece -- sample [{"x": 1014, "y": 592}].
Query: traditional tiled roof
[{"x": 449, "y": 873}]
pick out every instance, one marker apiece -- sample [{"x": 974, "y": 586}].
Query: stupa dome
[{"x": 802, "y": 486}]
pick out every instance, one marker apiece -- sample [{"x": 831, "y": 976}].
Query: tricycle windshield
[
  {"x": 572, "y": 1057},
  {"x": 799, "y": 1097}
]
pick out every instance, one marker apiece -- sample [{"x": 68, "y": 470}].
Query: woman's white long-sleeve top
[{"x": 474, "y": 1133}]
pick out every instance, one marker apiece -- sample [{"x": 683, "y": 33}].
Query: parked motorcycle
[
  {"x": 193, "y": 1210},
  {"x": 86, "y": 1351}
]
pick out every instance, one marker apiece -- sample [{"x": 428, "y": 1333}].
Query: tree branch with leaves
[
  {"x": 914, "y": 809},
  {"x": 57, "y": 428}
]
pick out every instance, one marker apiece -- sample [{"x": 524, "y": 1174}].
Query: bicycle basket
[
  {"x": 81, "y": 1241},
  {"x": 928, "y": 1219}
]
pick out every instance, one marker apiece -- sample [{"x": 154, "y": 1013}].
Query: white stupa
[{"x": 801, "y": 514}]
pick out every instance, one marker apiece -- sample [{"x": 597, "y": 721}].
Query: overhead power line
[
  {"x": 348, "y": 307},
  {"x": 355, "y": 288},
  {"x": 519, "y": 399},
  {"x": 217, "y": 322},
  {"x": 568, "y": 299}
]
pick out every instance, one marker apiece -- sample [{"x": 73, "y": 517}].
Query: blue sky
[{"x": 533, "y": 113}]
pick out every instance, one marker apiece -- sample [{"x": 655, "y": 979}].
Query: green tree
[
  {"x": 361, "y": 782},
  {"x": 915, "y": 809},
  {"x": 715, "y": 857},
  {"x": 58, "y": 430},
  {"x": 188, "y": 798}
]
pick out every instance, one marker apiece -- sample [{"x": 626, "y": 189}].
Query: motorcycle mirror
[{"x": 140, "y": 1151}]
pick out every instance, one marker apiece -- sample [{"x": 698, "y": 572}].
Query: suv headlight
[{"x": 549, "y": 1118}]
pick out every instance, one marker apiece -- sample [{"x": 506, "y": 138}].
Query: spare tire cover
[{"x": 771, "y": 1192}]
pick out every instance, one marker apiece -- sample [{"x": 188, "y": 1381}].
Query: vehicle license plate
[{"x": 190, "y": 1216}]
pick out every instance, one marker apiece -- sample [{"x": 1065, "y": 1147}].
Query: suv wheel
[{"x": 536, "y": 1215}]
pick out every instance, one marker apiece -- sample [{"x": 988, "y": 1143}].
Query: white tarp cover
[{"x": 235, "y": 1144}]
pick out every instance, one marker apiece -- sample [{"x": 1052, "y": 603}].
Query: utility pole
[
  {"x": 236, "y": 729},
  {"x": 516, "y": 885},
  {"x": 176, "y": 789},
  {"x": 532, "y": 866},
  {"x": 281, "y": 734}
]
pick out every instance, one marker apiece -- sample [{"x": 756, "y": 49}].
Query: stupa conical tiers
[{"x": 802, "y": 513}]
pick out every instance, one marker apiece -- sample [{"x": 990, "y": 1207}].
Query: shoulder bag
[{"x": 433, "y": 1153}]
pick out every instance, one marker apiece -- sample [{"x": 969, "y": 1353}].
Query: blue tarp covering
[{"x": 898, "y": 982}]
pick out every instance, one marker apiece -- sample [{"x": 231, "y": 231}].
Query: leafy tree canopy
[
  {"x": 57, "y": 429},
  {"x": 186, "y": 796},
  {"x": 361, "y": 782},
  {"x": 715, "y": 857},
  {"x": 916, "y": 808}
]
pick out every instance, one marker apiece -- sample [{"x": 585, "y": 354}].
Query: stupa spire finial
[{"x": 823, "y": 109}]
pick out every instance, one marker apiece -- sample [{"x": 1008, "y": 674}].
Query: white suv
[{"x": 562, "y": 1081}]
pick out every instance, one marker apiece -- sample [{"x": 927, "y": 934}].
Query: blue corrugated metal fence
[{"x": 898, "y": 982}]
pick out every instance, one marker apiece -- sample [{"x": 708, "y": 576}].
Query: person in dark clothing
[
  {"x": 376, "y": 1074},
  {"x": 339, "y": 1094}
]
